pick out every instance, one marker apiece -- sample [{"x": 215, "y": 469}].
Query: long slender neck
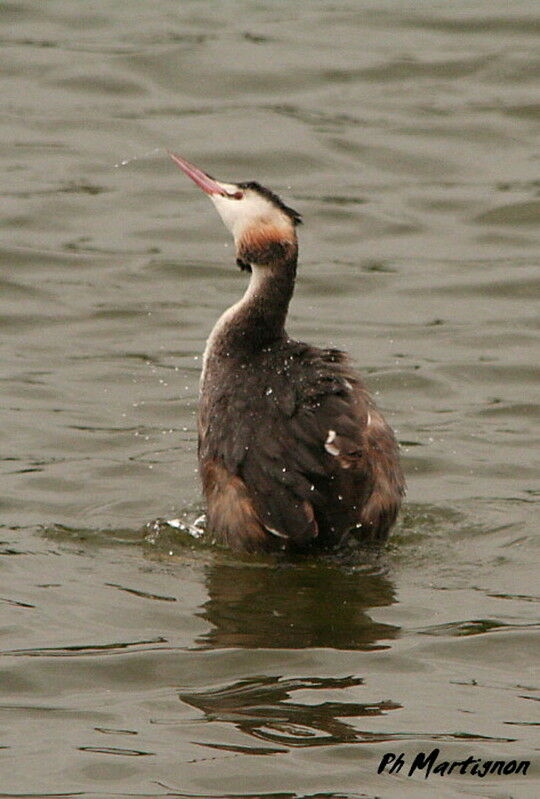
[
  {"x": 262, "y": 311},
  {"x": 258, "y": 319}
]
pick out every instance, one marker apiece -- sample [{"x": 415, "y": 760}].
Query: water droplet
[{"x": 125, "y": 161}]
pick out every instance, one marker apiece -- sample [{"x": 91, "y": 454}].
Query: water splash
[
  {"x": 147, "y": 154},
  {"x": 196, "y": 528},
  {"x": 157, "y": 531}
]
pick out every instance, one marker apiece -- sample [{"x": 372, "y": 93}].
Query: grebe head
[{"x": 256, "y": 216}]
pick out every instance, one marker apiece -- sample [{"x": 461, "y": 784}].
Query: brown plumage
[{"x": 292, "y": 450}]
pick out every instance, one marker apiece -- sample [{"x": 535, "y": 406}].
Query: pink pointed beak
[{"x": 204, "y": 181}]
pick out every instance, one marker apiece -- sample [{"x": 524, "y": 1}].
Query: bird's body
[{"x": 292, "y": 450}]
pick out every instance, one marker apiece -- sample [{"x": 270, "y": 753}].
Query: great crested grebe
[{"x": 293, "y": 451}]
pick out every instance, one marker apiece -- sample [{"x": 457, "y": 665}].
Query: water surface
[{"x": 407, "y": 136}]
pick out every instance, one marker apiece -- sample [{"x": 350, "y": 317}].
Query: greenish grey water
[{"x": 407, "y": 135}]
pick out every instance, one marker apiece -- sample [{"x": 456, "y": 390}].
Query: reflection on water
[
  {"x": 297, "y": 606},
  {"x": 262, "y": 708}
]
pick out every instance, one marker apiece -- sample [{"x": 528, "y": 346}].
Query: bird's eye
[{"x": 237, "y": 195}]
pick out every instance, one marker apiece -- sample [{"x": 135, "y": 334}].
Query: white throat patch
[{"x": 249, "y": 213}]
